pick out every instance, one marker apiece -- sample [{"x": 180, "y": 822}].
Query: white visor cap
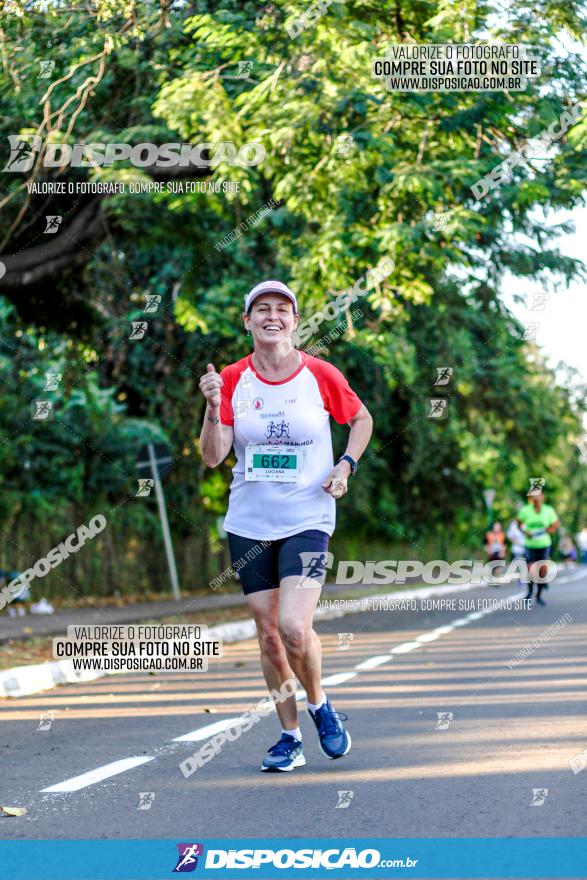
[{"x": 270, "y": 287}]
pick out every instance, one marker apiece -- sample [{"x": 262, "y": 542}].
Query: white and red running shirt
[{"x": 294, "y": 412}]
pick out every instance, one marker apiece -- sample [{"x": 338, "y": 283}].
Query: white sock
[
  {"x": 296, "y": 733},
  {"x": 313, "y": 707}
]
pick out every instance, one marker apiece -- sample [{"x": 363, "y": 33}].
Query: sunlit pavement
[{"x": 505, "y": 735}]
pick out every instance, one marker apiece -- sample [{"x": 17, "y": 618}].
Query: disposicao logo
[
  {"x": 25, "y": 149},
  {"x": 329, "y": 859},
  {"x": 187, "y": 859}
]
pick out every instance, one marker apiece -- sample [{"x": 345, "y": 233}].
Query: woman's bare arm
[{"x": 216, "y": 439}]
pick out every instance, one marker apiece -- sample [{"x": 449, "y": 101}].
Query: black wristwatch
[{"x": 350, "y": 460}]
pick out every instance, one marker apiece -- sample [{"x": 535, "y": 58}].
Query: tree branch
[
  {"x": 70, "y": 247},
  {"x": 74, "y": 244}
]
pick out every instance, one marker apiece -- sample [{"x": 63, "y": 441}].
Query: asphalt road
[{"x": 513, "y": 730}]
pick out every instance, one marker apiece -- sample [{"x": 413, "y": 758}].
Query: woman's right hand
[{"x": 210, "y": 385}]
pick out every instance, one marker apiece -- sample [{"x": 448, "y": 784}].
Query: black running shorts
[{"x": 261, "y": 565}]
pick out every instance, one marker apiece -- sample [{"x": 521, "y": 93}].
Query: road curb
[{"x": 25, "y": 680}]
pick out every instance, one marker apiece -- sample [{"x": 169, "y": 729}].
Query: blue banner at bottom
[{"x": 302, "y": 858}]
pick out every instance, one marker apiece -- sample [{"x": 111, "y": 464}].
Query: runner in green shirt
[{"x": 539, "y": 522}]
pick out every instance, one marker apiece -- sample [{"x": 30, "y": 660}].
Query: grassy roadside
[
  {"x": 118, "y": 600},
  {"x": 25, "y": 652}
]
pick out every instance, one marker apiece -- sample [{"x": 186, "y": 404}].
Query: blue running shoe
[
  {"x": 284, "y": 755},
  {"x": 335, "y": 741}
]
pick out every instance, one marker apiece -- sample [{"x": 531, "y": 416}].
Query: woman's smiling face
[{"x": 272, "y": 319}]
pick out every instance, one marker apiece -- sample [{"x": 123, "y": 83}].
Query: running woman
[
  {"x": 495, "y": 547},
  {"x": 274, "y": 407},
  {"x": 539, "y": 522},
  {"x": 495, "y": 542}
]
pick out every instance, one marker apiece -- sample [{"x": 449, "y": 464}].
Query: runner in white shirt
[
  {"x": 516, "y": 537},
  {"x": 274, "y": 406}
]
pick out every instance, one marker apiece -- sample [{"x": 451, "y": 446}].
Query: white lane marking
[
  {"x": 405, "y": 648},
  {"x": 97, "y": 775},
  {"x": 373, "y": 662},
  {"x": 205, "y": 732},
  {"x": 570, "y": 578},
  {"x": 338, "y": 678},
  {"x": 218, "y": 726}
]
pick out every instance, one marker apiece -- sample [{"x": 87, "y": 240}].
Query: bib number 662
[{"x": 273, "y": 461}]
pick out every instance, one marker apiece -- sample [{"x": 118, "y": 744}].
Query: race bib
[{"x": 276, "y": 463}]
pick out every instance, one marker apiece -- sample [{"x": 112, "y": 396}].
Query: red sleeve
[
  {"x": 339, "y": 398},
  {"x": 230, "y": 376}
]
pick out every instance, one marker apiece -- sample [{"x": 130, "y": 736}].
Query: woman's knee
[
  {"x": 269, "y": 638},
  {"x": 295, "y": 635}
]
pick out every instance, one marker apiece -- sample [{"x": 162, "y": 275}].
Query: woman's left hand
[{"x": 336, "y": 482}]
